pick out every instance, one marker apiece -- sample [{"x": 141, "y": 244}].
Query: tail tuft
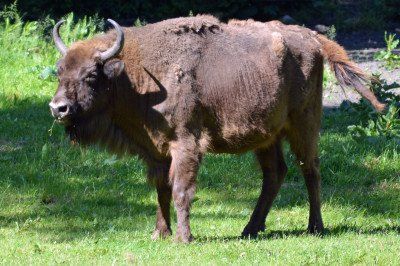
[{"x": 347, "y": 72}]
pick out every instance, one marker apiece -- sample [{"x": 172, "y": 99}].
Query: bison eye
[
  {"x": 91, "y": 78},
  {"x": 58, "y": 71}
]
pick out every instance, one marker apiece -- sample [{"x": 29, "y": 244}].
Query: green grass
[{"x": 63, "y": 204}]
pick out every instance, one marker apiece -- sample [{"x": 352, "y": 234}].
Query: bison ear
[{"x": 113, "y": 68}]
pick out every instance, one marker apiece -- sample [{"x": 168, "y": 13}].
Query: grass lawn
[{"x": 63, "y": 204}]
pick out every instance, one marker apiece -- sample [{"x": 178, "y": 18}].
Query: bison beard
[
  {"x": 187, "y": 86},
  {"x": 99, "y": 129},
  {"x": 79, "y": 132},
  {"x": 86, "y": 131}
]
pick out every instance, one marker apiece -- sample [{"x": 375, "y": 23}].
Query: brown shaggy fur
[{"x": 183, "y": 87}]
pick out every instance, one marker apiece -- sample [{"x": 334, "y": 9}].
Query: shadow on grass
[
  {"x": 282, "y": 234},
  {"x": 66, "y": 184}
]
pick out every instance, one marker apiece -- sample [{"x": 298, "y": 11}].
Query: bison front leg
[
  {"x": 158, "y": 176},
  {"x": 183, "y": 172},
  {"x": 163, "y": 223}
]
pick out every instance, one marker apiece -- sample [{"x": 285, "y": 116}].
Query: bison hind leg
[
  {"x": 303, "y": 137},
  {"x": 274, "y": 169}
]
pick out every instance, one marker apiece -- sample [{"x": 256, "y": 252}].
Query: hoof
[
  {"x": 252, "y": 231},
  {"x": 262, "y": 228},
  {"x": 183, "y": 239},
  {"x": 316, "y": 229},
  {"x": 161, "y": 234}
]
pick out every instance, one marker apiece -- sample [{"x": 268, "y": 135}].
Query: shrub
[
  {"x": 24, "y": 42},
  {"x": 391, "y": 60},
  {"x": 331, "y": 33},
  {"x": 373, "y": 124}
]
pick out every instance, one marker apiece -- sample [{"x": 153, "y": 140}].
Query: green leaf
[
  {"x": 110, "y": 161},
  {"x": 48, "y": 72}
]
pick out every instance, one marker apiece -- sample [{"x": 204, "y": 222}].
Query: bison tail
[{"x": 347, "y": 72}]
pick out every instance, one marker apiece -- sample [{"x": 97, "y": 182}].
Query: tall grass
[{"x": 29, "y": 44}]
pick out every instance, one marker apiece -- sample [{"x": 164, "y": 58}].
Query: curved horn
[
  {"x": 57, "y": 39},
  {"x": 117, "y": 46}
]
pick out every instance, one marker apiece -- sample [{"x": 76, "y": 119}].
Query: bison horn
[
  {"x": 57, "y": 39},
  {"x": 117, "y": 46},
  {"x": 113, "y": 51}
]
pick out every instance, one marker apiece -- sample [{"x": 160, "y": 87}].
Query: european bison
[{"x": 174, "y": 90}]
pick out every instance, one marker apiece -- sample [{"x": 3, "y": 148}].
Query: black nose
[{"x": 59, "y": 110}]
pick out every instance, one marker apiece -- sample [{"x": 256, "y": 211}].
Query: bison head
[{"x": 84, "y": 73}]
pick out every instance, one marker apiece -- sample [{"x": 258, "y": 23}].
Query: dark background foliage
[{"x": 344, "y": 14}]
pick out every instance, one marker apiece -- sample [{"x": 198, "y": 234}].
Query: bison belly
[{"x": 245, "y": 105}]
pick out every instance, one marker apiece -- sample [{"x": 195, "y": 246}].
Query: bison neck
[
  {"x": 135, "y": 115},
  {"x": 127, "y": 126}
]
